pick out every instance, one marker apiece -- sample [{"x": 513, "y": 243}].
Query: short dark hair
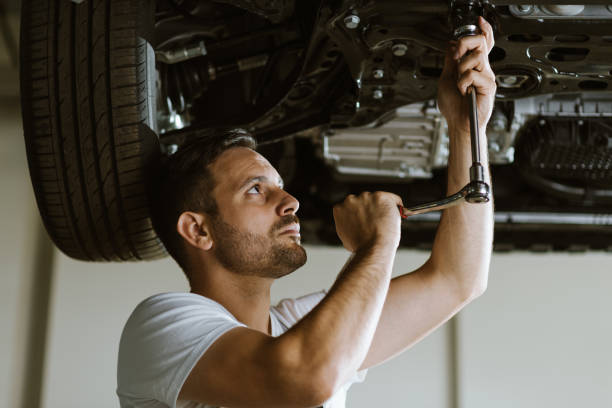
[{"x": 183, "y": 182}]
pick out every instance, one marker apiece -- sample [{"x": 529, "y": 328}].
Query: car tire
[{"x": 88, "y": 107}]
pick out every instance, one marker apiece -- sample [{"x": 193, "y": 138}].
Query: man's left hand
[{"x": 467, "y": 64}]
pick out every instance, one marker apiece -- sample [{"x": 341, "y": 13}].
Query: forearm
[
  {"x": 337, "y": 334},
  {"x": 463, "y": 243}
]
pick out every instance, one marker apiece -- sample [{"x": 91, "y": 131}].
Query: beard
[{"x": 262, "y": 255}]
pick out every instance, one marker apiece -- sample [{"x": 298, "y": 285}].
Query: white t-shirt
[{"x": 168, "y": 333}]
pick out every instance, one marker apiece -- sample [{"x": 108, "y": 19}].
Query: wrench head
[{"x": 478, "y": 192}]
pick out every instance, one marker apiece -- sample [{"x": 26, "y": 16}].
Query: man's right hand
[{"x": 368, "y": 219}]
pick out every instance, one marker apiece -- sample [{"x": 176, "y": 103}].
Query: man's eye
[{"x": 254, "y": 190}]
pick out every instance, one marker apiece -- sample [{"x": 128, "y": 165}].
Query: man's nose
[{"x": 288, "y": 205}]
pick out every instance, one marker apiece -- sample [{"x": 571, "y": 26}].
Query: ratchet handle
[
  {"x": 473, "y": 192},
  {"x": 474, "y": 131}
]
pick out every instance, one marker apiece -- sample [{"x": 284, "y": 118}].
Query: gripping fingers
[
  {"x": 483, "y": 42},
  {"x": 487, "y": 32},
  {"x": 476, "y": 60},
  {"x": 483, "y": 82},
  {"x": 470, "y": 43}
]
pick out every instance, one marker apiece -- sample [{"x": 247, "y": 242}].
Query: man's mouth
[
  {"x": 289, "y": 224},
  {"x": 293, "y": 229}
]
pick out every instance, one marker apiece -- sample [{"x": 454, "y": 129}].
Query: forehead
[{"x": 236, "y": 164}]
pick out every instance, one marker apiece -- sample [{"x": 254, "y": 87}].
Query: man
[{"x": 222, "y": 213}]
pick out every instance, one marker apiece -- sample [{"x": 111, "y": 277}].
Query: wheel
[{"x": 88, "y": 106}]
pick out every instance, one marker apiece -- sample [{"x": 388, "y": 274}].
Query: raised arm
[
  {"x": 457, "y": 269},
  {"x": 307, "y": 365}
]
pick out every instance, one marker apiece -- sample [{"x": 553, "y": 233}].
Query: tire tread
[{"x": 84, "y": 104}]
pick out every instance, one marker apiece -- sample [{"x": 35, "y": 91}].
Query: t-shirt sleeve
[
  {"x": 162, "y": 340},
  {"x": 291, "y": 311}
]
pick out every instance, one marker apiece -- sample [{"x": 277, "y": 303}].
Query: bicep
[{"x": 245, "y": 367}]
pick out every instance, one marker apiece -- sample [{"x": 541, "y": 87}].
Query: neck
[{"x": 247, "y": 298}]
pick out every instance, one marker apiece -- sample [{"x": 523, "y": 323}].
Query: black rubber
[{"x": 88, "y": 106}]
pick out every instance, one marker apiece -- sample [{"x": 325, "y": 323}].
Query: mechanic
[{"x": 223, "y": 215}]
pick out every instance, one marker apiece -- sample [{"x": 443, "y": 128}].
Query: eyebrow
[{"x": 264, "y": 179}]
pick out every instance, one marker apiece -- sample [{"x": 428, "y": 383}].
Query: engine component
[
  {"x": 558, "y": 12},
  {"x": 181, "y": 54},
  {"x": 566, "y": 10},
  {"x": 412, "y": 144},
  {"x": 181, "y": 83},
  {"x": 569, "y": 105},
  {"x": 351, "y": 21},
  {"x": 407, "y": 147},
  {"x": 567, "y": 150},
  {"x": 515, "y": 82},
  {"x": 506, "y": 217},
  {"x": 414, "y": 141}
]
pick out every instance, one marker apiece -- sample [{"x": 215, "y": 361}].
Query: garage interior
[{"x": 540, "y": 336}]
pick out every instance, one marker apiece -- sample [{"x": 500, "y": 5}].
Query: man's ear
[{"x": 194, "y": 228}]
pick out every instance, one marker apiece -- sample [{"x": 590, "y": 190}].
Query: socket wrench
[{"x": 464, "y": 21}]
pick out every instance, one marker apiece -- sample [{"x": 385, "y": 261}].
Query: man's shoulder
[
  {"x": 163, "y": 339},
  {"x": 165, "y": 308},
  {"x": 168, "y": 299},
  {"x": 171, "y": 299}
]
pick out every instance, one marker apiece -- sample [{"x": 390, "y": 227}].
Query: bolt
[
  {"x": 378, "y": 73},
  {"x": 378, "y": 94},
  {"x": 171, "y": 149},
  {"x": 399, "y": 50},
  {"x": 525, "y": 8},
  {"x": 508, "y": 79},
  {"x": 351, "y": 21}
]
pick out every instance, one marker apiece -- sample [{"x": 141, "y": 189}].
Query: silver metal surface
[
  {"x": 463, "y": 31},
  {"x": 181, "y": 54},
  {"x": 378, "y": 73},
  {"x": 415, "y": 141},
  {"x": 474, "y": 131},
  {"x": 409, "y": 146},
  {"x": 466, "y": 194},
  {"x": 439, "y": 205},
  {"x": 399, "y": 50},
  {"x": 511, "y": 81},
  {"x": 562, "y": 12},
  {"x": 352, "y": 21},
  {"x": 524, "y": 8},
  {"x": 593, "y": 104},
  {"x": 505, "y": 217}
]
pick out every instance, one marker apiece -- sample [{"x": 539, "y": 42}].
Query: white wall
[
  {"x": 541, "y": 336},
  {"x": 19, "y": 226}
]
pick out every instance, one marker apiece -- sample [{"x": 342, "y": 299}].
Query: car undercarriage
[{"x": 341, "y": 98}]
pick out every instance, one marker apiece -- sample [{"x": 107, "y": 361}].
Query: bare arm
[
  {"x": 306, "y": 365},
  {"x": 457, "y": 269}
]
